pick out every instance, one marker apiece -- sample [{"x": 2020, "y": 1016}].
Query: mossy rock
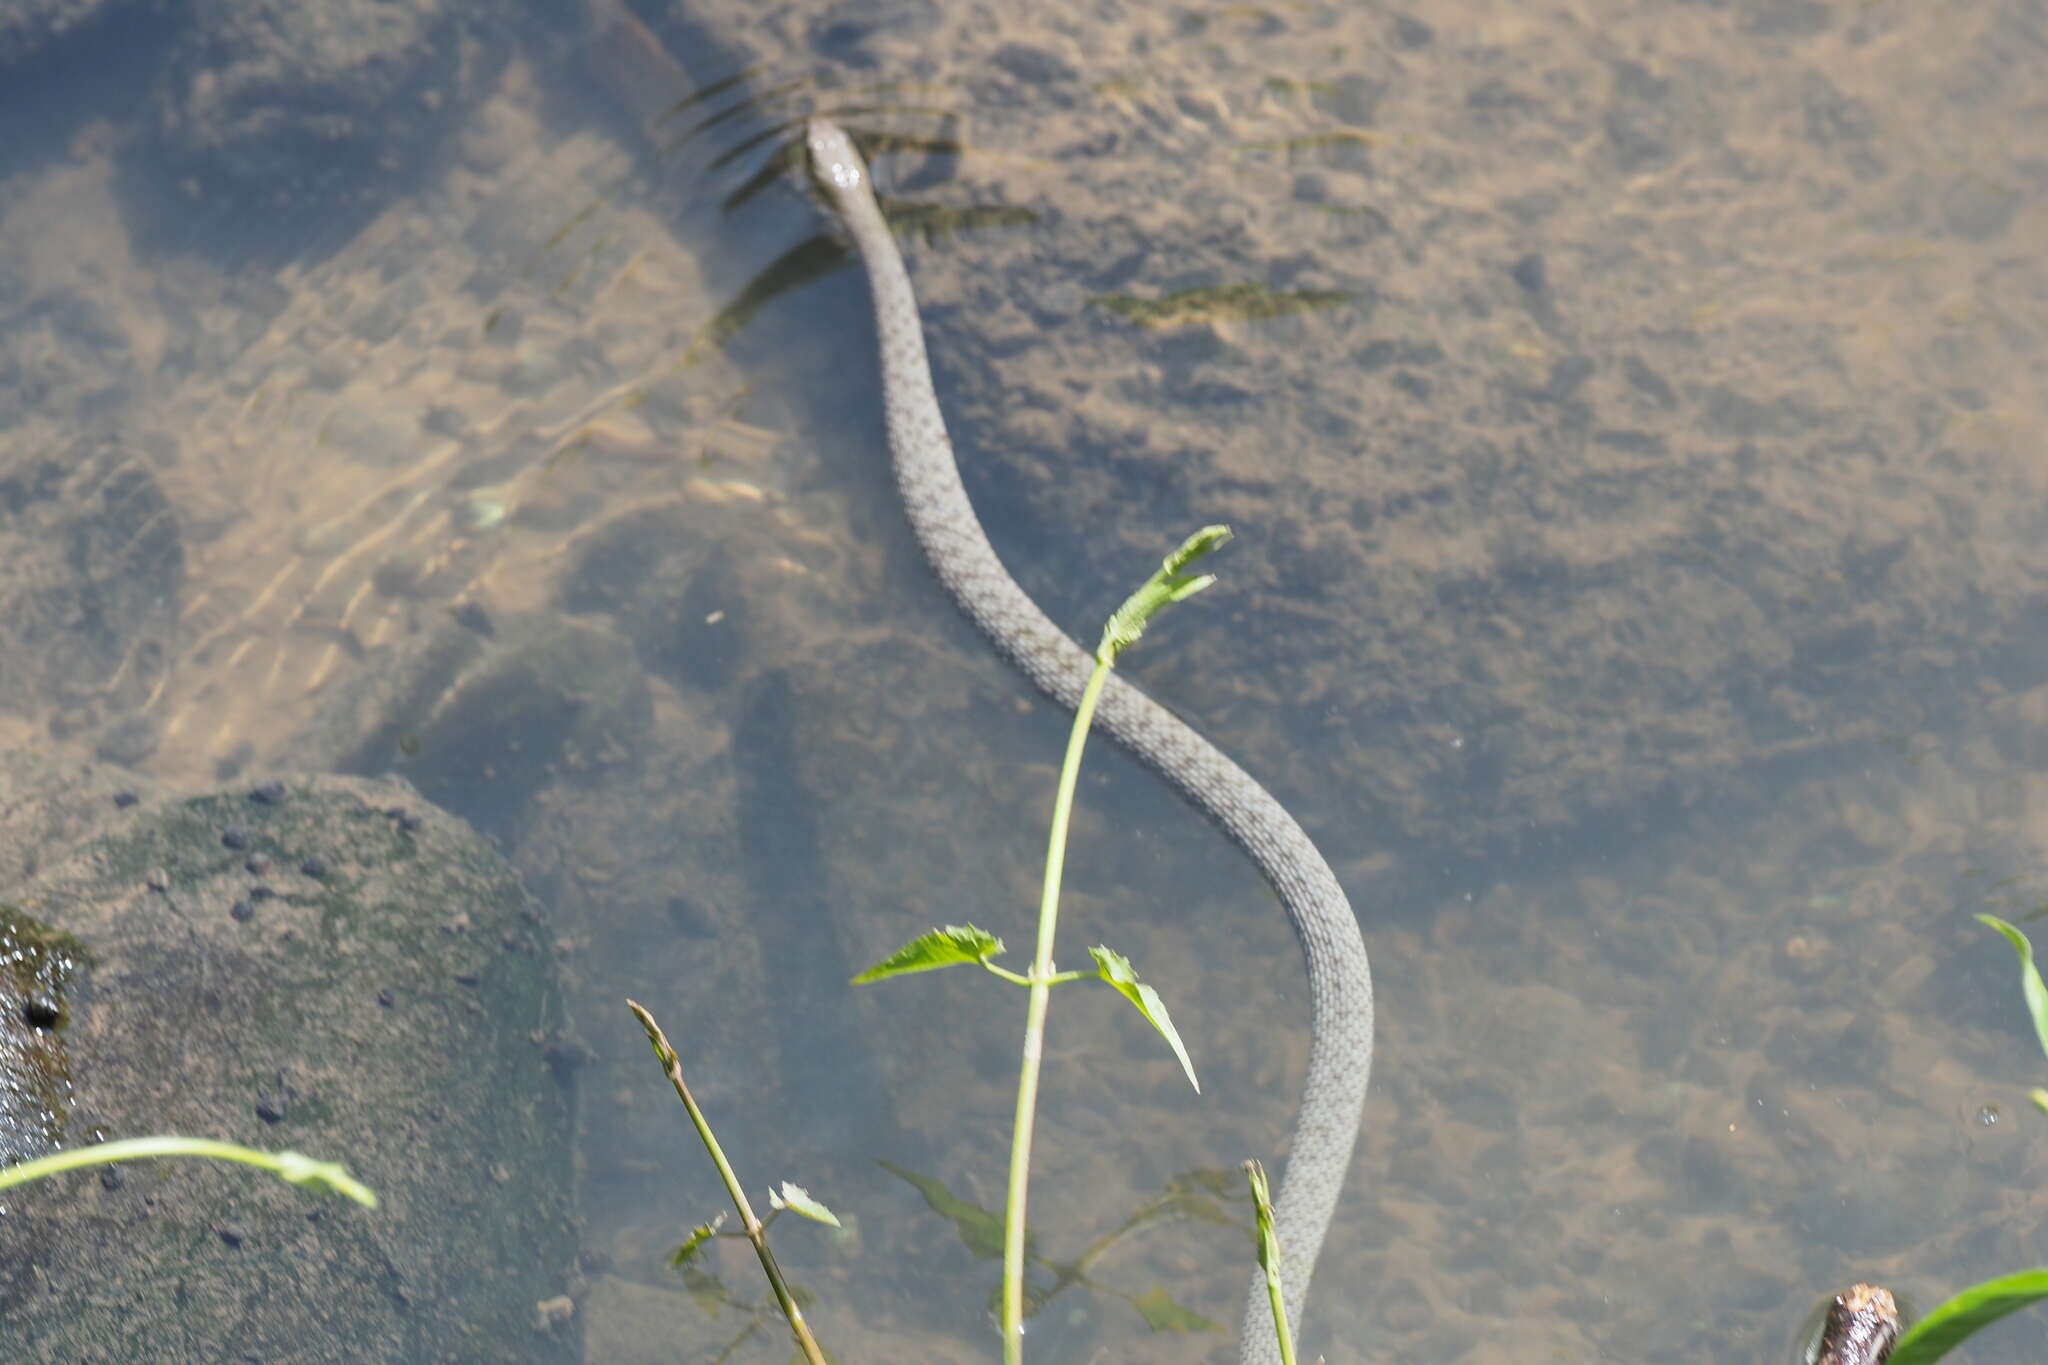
[{"x": 340, "y": 970}]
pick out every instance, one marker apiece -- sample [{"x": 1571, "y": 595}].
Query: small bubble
[{"x": 1988, "y": 1116}]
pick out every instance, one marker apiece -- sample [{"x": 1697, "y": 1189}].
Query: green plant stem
[
  {"x": 749, "y": 1224},
  {"x": 1269, "y": 1257},
  {"x": 1034, "y": 1020},
  {"x": 289, "y": 1167}
]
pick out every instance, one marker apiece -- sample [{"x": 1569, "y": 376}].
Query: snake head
[{"x": 833, "y": 157}]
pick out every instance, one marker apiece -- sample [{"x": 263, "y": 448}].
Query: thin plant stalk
[
  {"x": 1034, "y": 1021},
  {"x": 290, "y": 1167},
  {"x": 1172, "y": 583},
  {"x": 749, "y": 1224}
]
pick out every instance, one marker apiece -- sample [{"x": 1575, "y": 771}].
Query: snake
[{"x": 958, "y": 550}]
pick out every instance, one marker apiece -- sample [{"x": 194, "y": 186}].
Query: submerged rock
[{"x": 391, "y": 1013}]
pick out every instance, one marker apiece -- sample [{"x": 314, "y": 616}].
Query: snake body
[{"x": 1339, "y": 976}]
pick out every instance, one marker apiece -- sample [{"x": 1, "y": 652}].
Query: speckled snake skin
[{"x": 1340, "y": 980}]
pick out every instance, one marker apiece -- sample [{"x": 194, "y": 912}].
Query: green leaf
[
  {"x": 980, "y": 1231},
  {"x": 1162, "y": 1314},
  {"x": 2040, "y": 1099},
  {"x": 1977, "y": 1307},
  {"x": 699, "y": 1235},
  {"x": 1115, "y": 968},
  {"x": 2030, "y": 976},
  {"x": 1167, "y": 586},
  {"x": 797, "y": 1199},
  {"x": 948, "y": 947}
]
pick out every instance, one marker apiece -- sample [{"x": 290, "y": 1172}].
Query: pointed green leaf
[
  {"x": 1167, "y": 586},
  {"x": 1115, "y": 968},
  {"x": 1977, "y": 1307},
  {"x": 2031, "y": 988},
  {"x": 699, "y": 1235},
  {"x": 980, "y": 1231},
  {"x": 797, "y": 1199},
  {"x": 948, "y": 947},
  {"x": 2040, "y": 1099},
  {"x": 1162, "y": 1314}
]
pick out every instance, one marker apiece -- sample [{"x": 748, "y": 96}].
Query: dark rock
[{"x": 128, "y": 1277}]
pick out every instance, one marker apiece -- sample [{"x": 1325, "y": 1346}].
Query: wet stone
[
  {"x": 258, "y": 864},
  {"x": 315, "y": 868},
  {"x": 37, "y": 968},
  {"x": 123, "y": 800},
  {"x": 271, "y": 793},
  {"x": 242, "y": 911},
  {"x": 190, "y": 1007},
  {"x": 234, "y": 837}
]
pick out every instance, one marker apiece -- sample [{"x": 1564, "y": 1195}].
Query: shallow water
[{"x": 1629, "y": 418}]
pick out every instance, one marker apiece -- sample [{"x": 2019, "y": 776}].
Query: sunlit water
[{"x": 1630, "y": 416}]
